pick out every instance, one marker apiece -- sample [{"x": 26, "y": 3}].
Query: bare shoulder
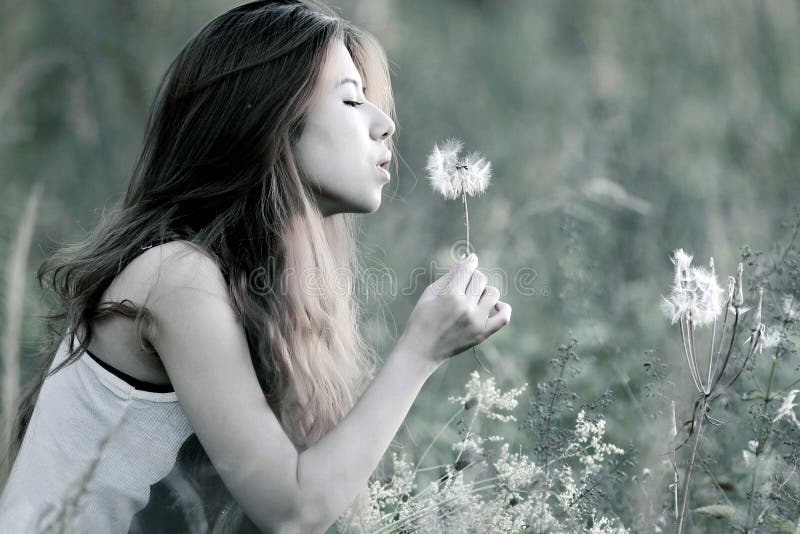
[
  {"x": 177, "y": 275},
  {"x": 178, "y": 264}
]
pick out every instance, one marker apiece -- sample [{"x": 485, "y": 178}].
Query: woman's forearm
[{"x": 334, "y": 470}]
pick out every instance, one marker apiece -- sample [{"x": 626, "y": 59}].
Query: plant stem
[
  {"x": 466, "y": 217},
  {"x": 466, "y": 223},
  {"x": 730, "y": 347},
  {"x": 761, "y": 438},
  {"x": 687, "y": 351},
  {"x": 690, "y": 467},
  {"x": 419, "y": 462},
  {"x": 675, "y": 460}
]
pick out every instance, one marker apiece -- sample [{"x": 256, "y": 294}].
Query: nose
[{"x": 383, "y": 126}]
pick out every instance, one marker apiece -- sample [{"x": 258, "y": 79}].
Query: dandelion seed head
[
  {"x": 451, "y": 176},
  {"x": 476, "y": 172},
  {"x": 695, "y": 296}
]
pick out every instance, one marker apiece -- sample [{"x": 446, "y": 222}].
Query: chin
[
  {"x": 365, "y": 210},
  {"x": 358, "y": 206},
  {"x": 366, "y": 206}
]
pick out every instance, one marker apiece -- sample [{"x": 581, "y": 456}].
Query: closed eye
[{"x": 353, "y": 103}]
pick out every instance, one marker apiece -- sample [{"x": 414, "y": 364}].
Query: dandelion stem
[
  {"x": 693, "y": 345},
  {"x": 686, "y": 351},
  {"x": 711, "y": 352},
  {"x": 690, "y": 467},
  {"x": 466, "y": 217},
  {"x": 466, "y": 223},
  {"x": 674, "y": 460}
]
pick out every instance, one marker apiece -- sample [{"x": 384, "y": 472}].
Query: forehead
[{"x": 339, "y": 66}]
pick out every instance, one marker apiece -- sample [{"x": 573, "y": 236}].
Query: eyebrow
[{"x": 354, "y": 82}]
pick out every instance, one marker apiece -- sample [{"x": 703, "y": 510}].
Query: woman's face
[{"x": 342, "y": 144}]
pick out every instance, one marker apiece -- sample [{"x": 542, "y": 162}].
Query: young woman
[{"x": 206, "y": 359}]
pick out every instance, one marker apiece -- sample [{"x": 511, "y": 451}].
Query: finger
[
  {"x": 500, "y": 319},
  {"x": 462, "y": 273},
  {"x": 444, "y": 284},
  {"x": 476, "y": 286},
  {"x": 490, "y": 297}
]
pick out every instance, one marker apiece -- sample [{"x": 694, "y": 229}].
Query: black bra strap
[{"x": 135, "y": 382}]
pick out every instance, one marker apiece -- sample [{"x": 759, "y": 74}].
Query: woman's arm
[
  {"x": 204, "y": 350},
  {"x": 335, "y": 469}
]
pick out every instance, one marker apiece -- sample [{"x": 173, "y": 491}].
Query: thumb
[{"x": 444, "y": 283}]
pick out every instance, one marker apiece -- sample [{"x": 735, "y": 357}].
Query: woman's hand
[{"x": 452, "y": 314}]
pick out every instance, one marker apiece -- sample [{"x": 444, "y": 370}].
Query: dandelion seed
[
  {"x": 787, "y": 408},
  {"x": 770, "y": 337}
]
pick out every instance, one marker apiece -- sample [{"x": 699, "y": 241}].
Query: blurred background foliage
[{"x": 619, "y": 130}]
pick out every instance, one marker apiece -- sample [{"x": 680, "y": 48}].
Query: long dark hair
[{"x": 217, "y": 171}]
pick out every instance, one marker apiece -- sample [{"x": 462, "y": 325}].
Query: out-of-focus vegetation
[{"x": 618, "y": 131}]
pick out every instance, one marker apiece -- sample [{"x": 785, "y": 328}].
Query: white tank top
[{"x": 147, "y": 472}]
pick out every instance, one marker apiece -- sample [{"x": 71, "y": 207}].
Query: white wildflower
[
  {"x": 569, "y": 489},
  {"x": 787, "y": 408},
  {"x": 487, "y": 399},
  {"x": 589, "y": 445},
  {"x": 603, "y": 525},
  {"x": 471, "y": 445},
  {"x": 452, "y": 176},
  {"x": 749, "y": 454},
  {"x": 516, "y": 470},
  {"x": 695, "y": 292}
]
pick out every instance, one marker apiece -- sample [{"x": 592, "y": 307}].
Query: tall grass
[{"x": 16, "y": 273}]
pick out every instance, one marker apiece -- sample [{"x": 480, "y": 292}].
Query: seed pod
[{"x": 739, "y": 299}]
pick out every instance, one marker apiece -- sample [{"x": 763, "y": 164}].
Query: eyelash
[{"x": 353, "y": 103}]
